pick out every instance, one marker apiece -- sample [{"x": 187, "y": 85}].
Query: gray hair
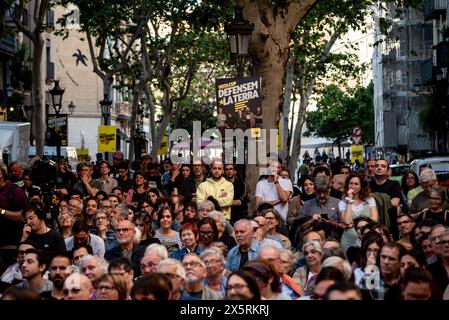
[
  {"x": 427, "y": 175},
  {"x": 124, "y": 210},
  {"x": 206, "y": 203},
  {"x": 193, "y": 254},
  {"x": 269, "y": 246},
  {"x": 341, "y": 264},
  {"x": 220, "y": 214},
  {"x": 313, "y": 243},
  {"x": 245, "y": 222},
  {"x": 158, "y": 250},
  {"x": 321, "y": 182},
  {"x": 288, "y": 253},
  {"x": 173, "y": 262},
  {"x": 79, "y": 201},
  {"x": 214, "y": 251},
  {"x": 101, "y": 262}
]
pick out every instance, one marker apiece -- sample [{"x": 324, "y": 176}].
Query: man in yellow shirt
[{"x": 217, "y": 187}]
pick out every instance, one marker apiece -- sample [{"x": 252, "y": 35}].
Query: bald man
[{"x": 78, "y": 287}]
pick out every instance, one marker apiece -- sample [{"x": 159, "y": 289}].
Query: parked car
[{"x": 398, "y": 170}]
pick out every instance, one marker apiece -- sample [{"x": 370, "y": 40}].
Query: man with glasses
[
  {"x": 37, "y": 231},
  {"x": 173, "y": 269},
  {"x": 405, "y": 225},
  {"x": 195, "y": 276},
  {"x": 323, "y": 207},
  {"x": 78, "y": 287},
  {"x": 75, "y": 208},
  {"x": 125, "y": 233}
]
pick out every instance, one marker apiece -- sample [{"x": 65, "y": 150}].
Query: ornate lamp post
[
  {"x": 139, "y": 137},
  {"x": 56, "y": 96},
  {"x": 239, "y": 32},
  {"x": 71, "y": 107},
  {"x": 105, "y": 105}
]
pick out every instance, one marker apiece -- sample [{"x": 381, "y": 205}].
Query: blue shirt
[{"x": 234, "y": 256}]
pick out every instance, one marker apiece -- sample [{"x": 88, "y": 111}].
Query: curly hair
[{"x": 365, "y": 191}]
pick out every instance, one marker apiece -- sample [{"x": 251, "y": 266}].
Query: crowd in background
[{"x": 164, "y": 231}]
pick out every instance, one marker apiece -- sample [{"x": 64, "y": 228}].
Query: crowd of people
[{"x": 150, "y": 231}]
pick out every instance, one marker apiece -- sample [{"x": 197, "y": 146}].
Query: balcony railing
[{"x": 434, "y": 8}]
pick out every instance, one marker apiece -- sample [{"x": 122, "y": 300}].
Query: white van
[
  {"x": 439, "y": 164},
  {"x": 68, "y": 153}
]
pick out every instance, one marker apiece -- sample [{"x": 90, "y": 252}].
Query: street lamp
[
  {"x": 105, "y": 105},
  {"x": 239, "y": 32},
  {"x": 71, "y": 107},
  {"x": 139, "y": 136},
  {"x": 56, "y": 96}
]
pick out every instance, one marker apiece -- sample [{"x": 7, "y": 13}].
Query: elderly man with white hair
[
  {"x": 173, "y": 269},
  {"x": 427, "y": 179},
  {"x": 154, "y": 254},
  {"x": 247, "y": 248}
]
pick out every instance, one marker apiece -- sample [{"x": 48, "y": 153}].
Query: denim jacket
[{"x": 234, "y": 256}]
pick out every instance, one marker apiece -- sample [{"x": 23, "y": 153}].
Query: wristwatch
[{"x": 2, "y": 212}]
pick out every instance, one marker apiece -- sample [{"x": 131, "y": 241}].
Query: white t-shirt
[
  {"x": 267, "y": 191},
  {"x": 357, "y": 209}
]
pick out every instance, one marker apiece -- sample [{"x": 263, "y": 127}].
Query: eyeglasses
[
  {"x": 206, "y": 233},
  {"x": 443, "y": 243},
  {"x": 101, "y": 218},
  {"x": 404, "y": 222},
  {"x": 207, "y": 263},
  {"x": 192, "y": 264},
  {"x": 172, "y": 276},
  {"x": 237, "y": 287},
  {"x": 105, "y": 288},
  {"x": 73, "y": 290},
  {"x": 123, "y": 230}
]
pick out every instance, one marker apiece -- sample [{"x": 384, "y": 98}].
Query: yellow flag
[{"x": 107, "y": 139}]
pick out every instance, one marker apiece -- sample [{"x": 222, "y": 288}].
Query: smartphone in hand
[{"x": 324, "y": 216}]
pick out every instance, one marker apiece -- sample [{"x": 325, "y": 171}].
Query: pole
[
  {"x": 58, "y": 136},
  {"x": 106, "y": 122}
]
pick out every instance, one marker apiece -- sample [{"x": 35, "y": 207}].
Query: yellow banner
[
  {"x": 357, "y": 153},
  {"x": 82, "y": 154},
  {"x": 163, "y": 149},
  {"x": 107, "y": 139}
]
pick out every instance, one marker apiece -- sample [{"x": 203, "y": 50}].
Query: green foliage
[
  {"x": 338, "y": 112},
  {"x": 21, "y": 74}
]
